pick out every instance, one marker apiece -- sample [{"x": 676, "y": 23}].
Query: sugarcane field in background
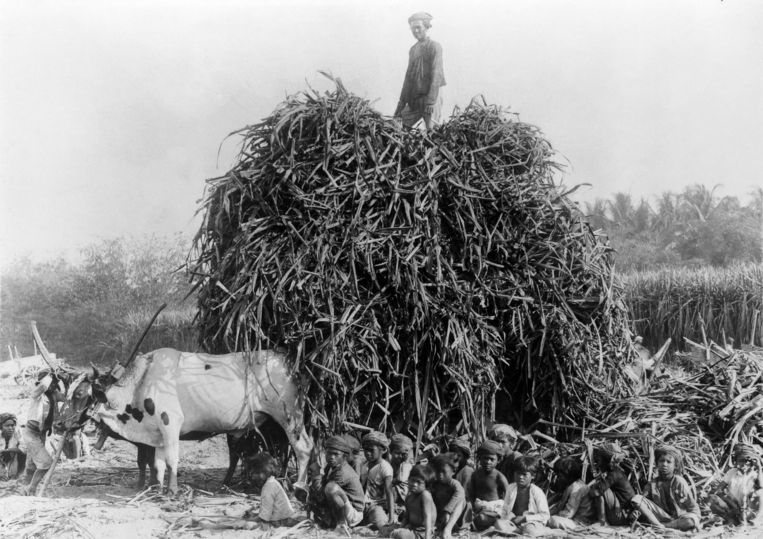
[
  {"x": 720, "y": 304},
  {"x": 422, "y": 283}
]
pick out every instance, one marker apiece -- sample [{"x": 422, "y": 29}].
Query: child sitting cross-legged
[
  {"x": 740, "y": 498},
  {"x": 448, "y": 495},
  {"x": 574, "y": 509},
  {"x": 338, "y": 500},
  {"x": 275, "y": 508},
  {"x": 669, "y": 497},
  {"x": 526, "y": 508},
  {"x": 487, "y": 487},
  {"x": 418, "y": 519},
  {"x": 611, "y": 491}
]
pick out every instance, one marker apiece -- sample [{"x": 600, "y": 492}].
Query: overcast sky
[{"x": 111, "y": 112}]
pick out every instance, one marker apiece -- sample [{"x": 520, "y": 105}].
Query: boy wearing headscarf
[
  {"x": 487, "y": 487},
  {"x": 377, "y": 481},
  {"x": 740, "y": 496},
  {"x": 612, "y": 492},
  {"x": 668, "y": 496},
  {"x": 400, "y": 449},
  {"x": 340, "y": 498},
  {"x": 462, "y": 452},
  {"x": 420, "y": 96},
  {"x": 507, "y": 437},
  {"x": 11, "y": 446}
]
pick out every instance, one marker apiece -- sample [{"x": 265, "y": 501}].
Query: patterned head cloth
[
  {"x": 489, "y": 447},
  {"x": 611, "y": 452},
  {"x": 337, "y": 443},
  {"x": 744, "y": 452},
  {"x": 8, "y": 417},
  {"x": 678, "y": 456},
  {"x": 500, "y": 432},
  {"x": 400, "y": 442},
  {"x": 376, "y": 438},
  {"x": 420, "y": 16},
  {"x": 462, "y": 445}
]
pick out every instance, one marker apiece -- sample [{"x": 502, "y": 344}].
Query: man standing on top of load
[{"x": 420, "y": 97}]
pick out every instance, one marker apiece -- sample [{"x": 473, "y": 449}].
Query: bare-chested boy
[{"x": 487, "y": 487}]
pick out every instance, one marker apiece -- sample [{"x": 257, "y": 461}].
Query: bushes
[{"x": 84, "y": 310}]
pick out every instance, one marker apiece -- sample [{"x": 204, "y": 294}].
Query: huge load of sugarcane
[{"x": 422, "y": 282}]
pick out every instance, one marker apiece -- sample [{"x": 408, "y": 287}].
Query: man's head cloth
[{"x": 422, "y": 16}]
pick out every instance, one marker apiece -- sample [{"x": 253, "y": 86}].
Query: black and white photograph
[{"x": 343, "y": 269}]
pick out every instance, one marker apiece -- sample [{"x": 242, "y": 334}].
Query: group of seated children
[{"x": 440, "y": 494}]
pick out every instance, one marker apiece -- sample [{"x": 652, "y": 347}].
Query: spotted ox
[{"x": 166, "y": 394}]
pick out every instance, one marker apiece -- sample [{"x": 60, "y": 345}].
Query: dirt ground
[{"x": 95, "y": 497}]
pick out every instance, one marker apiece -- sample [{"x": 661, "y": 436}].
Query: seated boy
[
  {"x": 526, "y": 508},
  {"x": 611, "y": 491},
  {"x": 377, "y": 480},
  {"x": 487, "y": 487},
  {"x": 740, "y": 498},
  {"x": 340, "y": 497},
  {"x": 418, "y": 518},
  {"x": 355, "y": 457},
  {"x": 400, "y": 449},
  {"x": 448, "y": 495},
  {"x": 507, "y": 437},
  {"x": 275, "y": 507},
  {"x": 614, "y": 498},
  {"x": 462, "y": 452},
  {"x": 668, "y": 497},
  {"x": 574, "y": 509}
]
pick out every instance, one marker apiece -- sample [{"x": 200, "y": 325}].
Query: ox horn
[
  {"x": 118, "y": 370},
  {"x": 41, "y": 346}
]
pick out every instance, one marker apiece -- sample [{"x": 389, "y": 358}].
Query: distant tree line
[
  {"x": 693, "y": 228},
  {"x": 88, "y": 310}
]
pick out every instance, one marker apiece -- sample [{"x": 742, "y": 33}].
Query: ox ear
[{"x": 96, "y": 374}]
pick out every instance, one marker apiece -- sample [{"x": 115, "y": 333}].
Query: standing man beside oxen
[
  {"x": 40, "y": 416},
  {"x": 420, "y": 97}
]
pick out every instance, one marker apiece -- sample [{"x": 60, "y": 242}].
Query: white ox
[{"x": 166, "y": 393}]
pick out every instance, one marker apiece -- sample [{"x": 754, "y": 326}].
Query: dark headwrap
[
  {"x": 744, "y": 452},
  {"x": 463, "y": 445},
  {"x": 569, "y": 466},
  {"x": 489, "y": 447},
  {"x": 8, "y": 417},
  {"x": 400, "y": 441},
  {"x": 677, "y": 454},
  {"x": 337, "y": 443},
  {"x": 376, "y": 438}
]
